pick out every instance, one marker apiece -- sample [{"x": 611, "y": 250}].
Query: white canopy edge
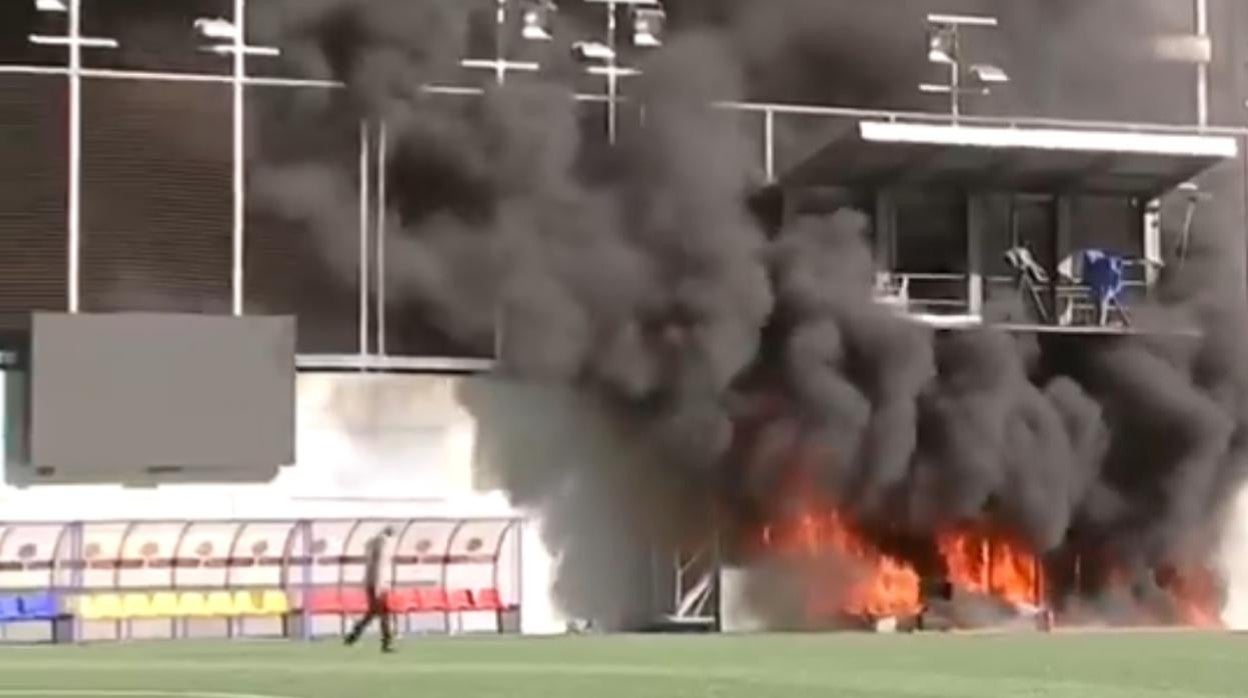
[{"x": 1090, "y": 141}]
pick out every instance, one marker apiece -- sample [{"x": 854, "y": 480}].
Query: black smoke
[{"x": 666, "y": 360}]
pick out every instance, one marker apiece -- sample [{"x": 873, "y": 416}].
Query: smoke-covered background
[{"x": 666, "y": 359}]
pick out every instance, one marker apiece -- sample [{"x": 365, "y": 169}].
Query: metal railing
[{"x": 769, "y": 113}]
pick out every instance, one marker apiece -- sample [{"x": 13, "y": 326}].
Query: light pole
[
  {"x": 944, "y": 46},
  {"x": 647, "y": 16},
  {"x": 537, "y": 18},
  {"x": 233, "y": 36},
  {"x": 1192, "y": 49},
  {"x": 76, "y": 42},
  {"x": 1202, "y": 67}
]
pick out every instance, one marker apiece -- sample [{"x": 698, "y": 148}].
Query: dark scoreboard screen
[{"x": 143, "y": 396}]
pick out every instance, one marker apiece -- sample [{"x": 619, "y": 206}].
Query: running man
[{"x": 377, "y": 582}]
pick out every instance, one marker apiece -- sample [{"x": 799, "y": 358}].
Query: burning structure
[
  {"x": 688, "y": 356},
  {"x": 840, "y": 349},
  {"x": 927, "y": 486}
]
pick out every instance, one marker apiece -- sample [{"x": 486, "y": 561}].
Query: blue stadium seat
[
  {"x": 39, "y": 607},
  {"x": 10, "y": 609}
]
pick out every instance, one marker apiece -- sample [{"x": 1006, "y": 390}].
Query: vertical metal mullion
[
  {"x": 769, "y": 144},
  {"x": 1202, "y": 67},
  {"x": 75, "y": 157},
  {"x": 380, "y": 225},
  {"x": 955, "y": 72},
  {"x": 363, "y": 271},
  {"x": 613, "y": 85},
  {"x": 239, "y": 157},
  {"x": 500, "y": 43}
]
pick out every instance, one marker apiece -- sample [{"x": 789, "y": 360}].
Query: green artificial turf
[{"x": 829, "y": 666}]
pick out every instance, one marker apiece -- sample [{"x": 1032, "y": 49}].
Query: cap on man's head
[{"x": 388, "y": 531}]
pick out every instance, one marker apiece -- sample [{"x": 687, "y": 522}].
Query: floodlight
[
  {"x": 1193, "y": 192},
  {"x": 648, "y": 26},
  {"x": 989, "y": 74},
  {"x": 592, "y": 51},
  {"x": 942, "y": 45},
  {"x": 51, "y": 6},
  {"x": 538, "y": 20},
  {"x": 216, "y": 28}
]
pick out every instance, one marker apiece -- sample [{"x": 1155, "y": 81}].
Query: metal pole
[
  {"x": 381, "y": 238},
  {"x": 769, "y": 144},
  {"x": 612, "y": 78},
  {"x": 955, "y": 74},
  {"x": 363, "y": 273},
  {"x": 1202, "y": 68},
  {"x": 500, "y": 45},
  {"x": 75, "y": 154},
  {"x": 240, "y": 202}
]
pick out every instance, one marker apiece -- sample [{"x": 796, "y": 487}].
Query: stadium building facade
[{"x": 129, "y": 131}]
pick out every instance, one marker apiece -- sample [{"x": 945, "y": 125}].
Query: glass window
[
  {"x": 931, "y": 234},
  {"x": 157, "y": 196},
  {"x": 33, "y": 193},
  {"x": 931, "y": 244}
]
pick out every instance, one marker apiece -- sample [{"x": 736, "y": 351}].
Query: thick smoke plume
[{"x": 666, "y": 361}]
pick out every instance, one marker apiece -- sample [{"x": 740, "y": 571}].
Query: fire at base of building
[
  {"x": 1029, "y": 204},
  {"x": 815, "y": 570}
]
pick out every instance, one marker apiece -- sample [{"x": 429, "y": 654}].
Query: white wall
[{"x": 367, "y": 445}]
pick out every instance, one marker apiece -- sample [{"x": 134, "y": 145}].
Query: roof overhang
[{"x": 878, "y": 154}]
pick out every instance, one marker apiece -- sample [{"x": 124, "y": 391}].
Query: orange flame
[
  {"x": 877, "y": 585},
  {"x": 982, "y": 563}
]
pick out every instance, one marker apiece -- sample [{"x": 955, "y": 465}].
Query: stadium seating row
[
  {"x": 29, "y": 607},
  {"x": 243, "y": 603},
  {"x": 415, "y": 600},
  {"x": 188, "y": 604}
]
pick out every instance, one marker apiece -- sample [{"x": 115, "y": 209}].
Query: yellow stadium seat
[
  {"x": 192, "y": 604},
  {"x": 100, "y": 607},
  {"x": 245, "y": 604},
  {"x": 136, "y": 606},
  {"x": 274, "y": 603},
  {"x": 220, "y": 603},
  {"x": 164, "y": 604}
]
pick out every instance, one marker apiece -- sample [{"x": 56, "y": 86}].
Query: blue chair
[
  {"x": 10, "y": 609},
  {"x": 39, "y": 607}
]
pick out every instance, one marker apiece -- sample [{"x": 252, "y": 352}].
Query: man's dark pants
[{"x": 377, "y": 610}]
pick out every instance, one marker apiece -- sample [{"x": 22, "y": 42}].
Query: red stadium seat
[
  {"x": 403, "y": 601},
  {"x": 433, "y": 599},
  {"x": 354, "y": 601},
  {"x": 323, "y": 601},
  {"x": 487, "y": 600},
  {"x": 332, "y": 600},
  {"x": 459, "y": 600}
]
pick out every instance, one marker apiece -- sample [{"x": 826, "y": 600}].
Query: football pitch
[{"x": 829, "y": 666}]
